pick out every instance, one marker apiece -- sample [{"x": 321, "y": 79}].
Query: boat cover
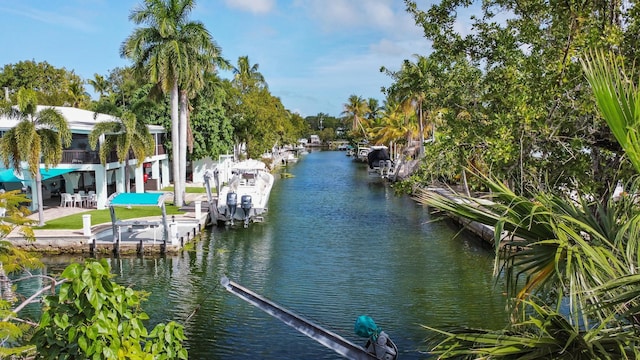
[
  {"x": 249, "y": 164},
  {"x": 366, "y": 327},
  {"x": 376, "y": 155}
]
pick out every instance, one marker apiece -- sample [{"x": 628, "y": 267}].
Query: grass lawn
[
  {"x": 190, "y": 189},
  {"x": 73, "y": 222}
]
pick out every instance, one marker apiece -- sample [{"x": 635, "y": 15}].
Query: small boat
[
  {"x": 379, "y": 161},
  {"x": 246, "y": 195},
  {"x": 361, "y": 154},
  {"x": 350, "y": 151}
]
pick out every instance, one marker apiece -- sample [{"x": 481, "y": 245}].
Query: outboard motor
[
  {"x": 378, "y": 344},
  {"x": 246, "y": 205},
  {"x": 232, "y": 203}
]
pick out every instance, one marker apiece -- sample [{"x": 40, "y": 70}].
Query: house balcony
[{"x": 77, "y": 156}]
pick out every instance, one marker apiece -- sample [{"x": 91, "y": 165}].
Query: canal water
[{"x": 336, "y": 243}]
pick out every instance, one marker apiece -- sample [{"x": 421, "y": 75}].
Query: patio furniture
[
  {"x": 78, "y": 200},
  {"x": 92, "y": 200},
  {"x": 66, "y": 200}
]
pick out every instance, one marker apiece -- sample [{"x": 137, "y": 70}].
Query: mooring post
[
  {"x": 140, "y": 249},
  {"x": 86, "y": 225},
  {"x": 198, "y": 209}
]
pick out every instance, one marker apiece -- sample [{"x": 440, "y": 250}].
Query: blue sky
[{"x": 313, "y": 53}]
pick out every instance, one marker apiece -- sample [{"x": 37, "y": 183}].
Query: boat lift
[{"x": 325, "y": 337}]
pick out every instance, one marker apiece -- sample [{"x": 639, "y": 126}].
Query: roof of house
[{"x": 80, "y": 121}]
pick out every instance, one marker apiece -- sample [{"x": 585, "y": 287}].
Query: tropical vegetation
[
  {"x": 569, "y": 264},
  {"x": 39, "y": 137},
  {"x": 521, "y": 117}
]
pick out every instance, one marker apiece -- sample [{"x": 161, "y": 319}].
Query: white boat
[
  {"x": 362, "y": 152},
  {"x": 246, "y": 195}
]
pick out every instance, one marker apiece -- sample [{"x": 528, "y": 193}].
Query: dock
[{"x": 140, "y": 236}]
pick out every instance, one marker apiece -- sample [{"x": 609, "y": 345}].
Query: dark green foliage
[
  {"x": 92, "y": 317},
  {"x": 53, "y": 86}
]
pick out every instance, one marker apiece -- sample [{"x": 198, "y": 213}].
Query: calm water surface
[{"x": 335, "y": 244}]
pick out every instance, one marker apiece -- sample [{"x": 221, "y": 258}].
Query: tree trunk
[
  {"x": 127, "y": 177},
  {"x": 175, "y": 141},
  {"x": 421, "y": 128},
  {"x": 39, "y": 195},
  {"x": 183, "y": 141},
  {"x": 6, "y": 291}
]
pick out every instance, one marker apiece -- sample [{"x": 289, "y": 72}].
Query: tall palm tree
[
  {"x": 173, "y": 51},
  {"x": 247, "y": 76},
  {"x": 39, "y": 137},
  {"x": 415, "y": 83},
  {"x": 204, "y": 58},
  {"x": 125, "y": 135},
  {"x": 355, "y": 109},
  {"x": 374, "y": 109}
]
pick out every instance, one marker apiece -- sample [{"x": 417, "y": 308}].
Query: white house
[{"x": 80, "y": 168}]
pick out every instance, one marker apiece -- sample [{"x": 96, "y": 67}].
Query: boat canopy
[
  {"x": 377, "y": 154},
  {"x": 249, "y": 164}
]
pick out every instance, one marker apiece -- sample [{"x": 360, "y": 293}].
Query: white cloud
[
  {"x": 253, "y": 6},
  {"x": 337, "y": 15}
]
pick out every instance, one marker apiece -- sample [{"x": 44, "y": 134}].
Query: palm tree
[
  {"x": 77, "y": 94},
  {"x": 580, "y": 254},
  {"x": 374, "y": 109},
  {"x": 173, "y": 52},
  {"x": 247, "y": 76},
  {"x": 204, "y": 58},
  {"x": 355, "y": 109},
  {"x": 39, "y": 137},
  {"x": 100, "y": 85},
  {"x": 125, "y": 135},
  {"x": 394, "y": 125},
  {"x": 415, "y": 82}
]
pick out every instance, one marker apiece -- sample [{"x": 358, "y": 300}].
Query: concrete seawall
[{"x": 485, "y": 232}]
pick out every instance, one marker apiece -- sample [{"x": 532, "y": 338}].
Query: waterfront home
[{"x": 80, "y": 171}]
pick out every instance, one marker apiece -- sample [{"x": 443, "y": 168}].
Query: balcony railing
[{"x": 92, "y": 157}]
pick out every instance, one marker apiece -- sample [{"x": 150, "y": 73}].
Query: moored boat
[
  {"x": 379, "y": 161},
  {"x": 246, "y": 195}
]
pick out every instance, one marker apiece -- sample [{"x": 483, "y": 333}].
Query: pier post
[
  {"x": 198, "y": 209},
  {"x": 86, "y": 225},
  {"x": 173, "y": 233}
]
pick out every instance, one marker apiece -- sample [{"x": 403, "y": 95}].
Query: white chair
[
  {"x": 81, "y": 192},
  {"x": 77, "y": 200},
  {"x": 66, "y": 200},
  {"x": 92, "y": 200}
]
